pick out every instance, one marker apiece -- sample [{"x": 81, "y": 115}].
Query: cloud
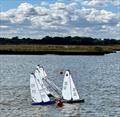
[
  {"x": 3, "y": 27},
  {"x": 99, "y": 16},
  {"x": 58, "y": 19},
  {"x": 96, "y": 3}
]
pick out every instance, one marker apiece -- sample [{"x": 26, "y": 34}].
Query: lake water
[{"x": 97, "y": 79}]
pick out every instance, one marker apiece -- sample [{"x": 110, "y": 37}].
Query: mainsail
[
  {"x": 66, "y": 90},
  {"x": 35, "y": 94},
  {"x": 37, "y": 91},
  {"x": 69, "y": 91}
]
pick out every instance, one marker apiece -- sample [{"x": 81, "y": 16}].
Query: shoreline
[
  {"x": 58, "y": 49},
  {"x": 51, "y": 52}
]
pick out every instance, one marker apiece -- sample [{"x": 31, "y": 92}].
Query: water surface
[{"x": 97, "y": 79}]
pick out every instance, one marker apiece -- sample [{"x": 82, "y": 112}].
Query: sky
[{"x": 39, "y": 18}]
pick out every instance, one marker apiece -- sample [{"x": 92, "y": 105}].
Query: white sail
[
  {"x": 42, "y": 72},
  {"x": 74, "y": 93},
  {"x": 35, "y": 94},
  {"x": 69, "y": 91},
  {"x": 66, "y": 90},
  {"x": 40, "y": 82},
  {"x": 38, "y": 93},
  {"x": 45, "y": 74},
  {"x": 38, "y": 76},
  {"x": 43, "y": 93}
]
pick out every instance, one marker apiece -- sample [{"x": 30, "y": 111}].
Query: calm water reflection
[{"x": 96, "y": 77}]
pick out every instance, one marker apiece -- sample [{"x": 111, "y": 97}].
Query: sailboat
[
  {"x": 38, "y": 93},
  {"x": 69, "y": 91}
]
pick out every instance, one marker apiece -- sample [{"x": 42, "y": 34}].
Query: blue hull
[{"x": 44, "y": 103}]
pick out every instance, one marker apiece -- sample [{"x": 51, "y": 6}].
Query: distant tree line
[{"x": 76, "y": 40}]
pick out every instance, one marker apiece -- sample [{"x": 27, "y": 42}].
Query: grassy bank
[{"x": 58, "y": 49}]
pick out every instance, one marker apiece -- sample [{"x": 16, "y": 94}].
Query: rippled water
[{"x": 97, "y": 79}]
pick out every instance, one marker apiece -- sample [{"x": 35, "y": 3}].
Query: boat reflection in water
[{"x": 71, "y": 110}]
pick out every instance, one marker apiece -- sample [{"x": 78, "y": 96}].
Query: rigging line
[
  {"x": 57, "y": 89},
  {"x": 50, "y": 84},
  {"x": 53, "y": 88},
  {"x": 54, "y": 85},
  {"x": 50, "y": 81}
]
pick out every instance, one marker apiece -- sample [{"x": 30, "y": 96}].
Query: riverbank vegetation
[
  {"x": 59, "y": 45},
  {"x": 60, "y": 41}
]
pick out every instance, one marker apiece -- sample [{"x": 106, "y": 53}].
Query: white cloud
[
  {"x": 101, "y": 16},
  {"x": 114, "y": 31},
  {"x": 59, "y": 19},
  {"x": 58, "y": 6},
  {"x": 95, "y": 3},
  {"x": 3, "y": 27}
]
